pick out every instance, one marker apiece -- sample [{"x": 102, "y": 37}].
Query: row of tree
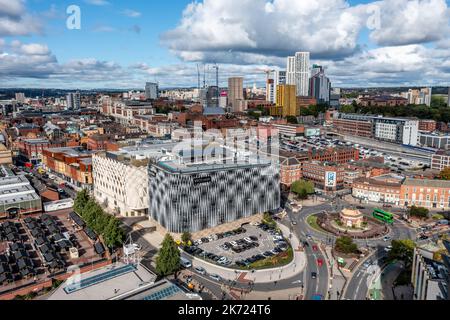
[
  {"x": 438, "y": 110},
  {"x": 102, "y": 223}
]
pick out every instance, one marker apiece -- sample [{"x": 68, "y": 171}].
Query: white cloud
[
  {"x": 405, "y": 21},
  {"x": 131, "y": 13},
  {"x": 15, "y": 21},
  {"x": 277, "y": 28},
  {"x": 11, "y": 8},
  {"x": 97, "y": 2}
]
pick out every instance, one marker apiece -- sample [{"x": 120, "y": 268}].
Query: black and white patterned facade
[{"x": 194, "y": 200}]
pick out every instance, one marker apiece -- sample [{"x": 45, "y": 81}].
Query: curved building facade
[{"x": 198, "y": 197}]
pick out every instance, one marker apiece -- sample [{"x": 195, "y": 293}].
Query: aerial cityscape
[{"x": 225, "y": 150}]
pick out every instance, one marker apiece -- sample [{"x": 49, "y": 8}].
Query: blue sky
[{"x": 122, "y": 44}]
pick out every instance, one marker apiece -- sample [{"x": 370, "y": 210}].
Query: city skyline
[{"x": 156, "y": 42}]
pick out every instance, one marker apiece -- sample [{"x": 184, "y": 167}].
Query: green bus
[{"x": 383, "y": 216}]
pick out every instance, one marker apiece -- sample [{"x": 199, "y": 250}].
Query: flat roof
[
  {"x": 109, "y": 288},
  {"x": 175, "y": 167},
  {"x": 162, "y": 290}
]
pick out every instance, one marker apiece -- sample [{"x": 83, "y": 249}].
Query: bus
[{"x": 383, "y": 216}]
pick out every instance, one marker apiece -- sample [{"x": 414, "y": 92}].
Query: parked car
[
  {"x": 313, "y": 275},
  {"x": 248, "y": 240},
  {"x": 386, "y": 239}
]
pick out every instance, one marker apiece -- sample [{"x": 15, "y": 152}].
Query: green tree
[
  {"x": 186, "y": 237},
  {"x": 292, "y": 119},
  {"x": 419, "y": 212},
  {"x": 303, "y": 188},
  {"x": 348, "y": 109},
  {"x": 113, "y": 234},
  {"x": 402, "y": 250},
  {"x": 346, "y": 245},
  {"x": 81, "y": 200},
  {"x": 168, "y": 259},
  {"x": 445, "y": 174}
]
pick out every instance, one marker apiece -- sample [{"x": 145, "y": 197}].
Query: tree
[
  {"x": 267, "y": 219},
  {"x": 81, "y": 200},
  {"x": 402, "y": 250},
  {"x": 186, "y": 237},
  {"x": 303, "y": 188},
  {"x": 346, "y": 245},
  {"x": 292, "y": 119},
  {"x": 113, "y": 233},
  {"x": 419, "y": 212},
  {"x": 445, "y": 174},
  {"x": 348, "y": 109},
  {"x": 168, "y": 259}
]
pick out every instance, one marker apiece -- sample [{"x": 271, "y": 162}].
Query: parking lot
[
  {"x": 241, "y": 247},
  {"x": 38, "y": 246}
]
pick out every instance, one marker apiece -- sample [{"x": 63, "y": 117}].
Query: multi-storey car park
[{"x": 187, "y": 195}]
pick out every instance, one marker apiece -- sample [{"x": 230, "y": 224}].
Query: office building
[
  {"x": 448, "y": 97},
  {"x": 275, "y": 78},
  {"x": 20, "y": 97},
  {"x": 325, "y": 176},
  {"x": 5, "y": 155},
  {"x": 402, "y": 131},
  {"x": 151, "y": 91},
  {"x": 195, "y": 191},
  {"x": 73, "y": 165},
  {"x": 431, "y": 194},
  {"x": 419, "y": 96},
  {"x": 427, "y": 125},
  {"x": 121, "y": 178},
  {"x": 73, "y": 100},
  {"x": 319, "y": 85},
  {"x": 298, "y": 72},
  {"x": 236, "y": 94},
  {"x": 440, "y": 160},
  {"x": 335, "y": 97},
  {"x": 441, "y": 141},
  {"x": 395, "y": 130},
  {"x": 286, "y": 104},
  {"x": 430, "y": 278},
  {"x": 380, "y": 189}
]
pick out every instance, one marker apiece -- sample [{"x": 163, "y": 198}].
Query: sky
[{"x": 122, "y": 44}]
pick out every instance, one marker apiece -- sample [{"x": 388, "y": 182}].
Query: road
[
  {"x": 318, "y": 286},
  {"x": 358, "y": 286}
]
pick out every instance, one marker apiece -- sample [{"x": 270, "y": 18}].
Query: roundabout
[{"x": 348, "y": 222}]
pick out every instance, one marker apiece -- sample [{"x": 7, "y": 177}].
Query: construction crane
[{"x": 217, "y": 82}]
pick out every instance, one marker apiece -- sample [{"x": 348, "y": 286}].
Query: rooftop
[
  {"x": 162, "y": 290},
  {"x": 106, "y": 283},
  {"x": 427, "y": 183}
]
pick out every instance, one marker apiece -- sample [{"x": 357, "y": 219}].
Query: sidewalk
[
  {"x": 261, "y": 276},
  {"x": 338, "y": 281}
]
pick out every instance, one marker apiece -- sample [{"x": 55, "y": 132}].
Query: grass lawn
[
  {"x": 312, "y": 221},
  {"x": 280, "y": 260}
]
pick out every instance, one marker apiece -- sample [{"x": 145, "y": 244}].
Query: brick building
[
  {"x": 431, "y": 194},
  {"x": 325, "y": 176},
  {"x": 74, "y": 165}
]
